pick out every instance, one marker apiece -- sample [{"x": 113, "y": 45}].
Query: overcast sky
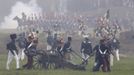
[
  {"x": 5, "y": 7},
  {"x": 72, "y": 5}
]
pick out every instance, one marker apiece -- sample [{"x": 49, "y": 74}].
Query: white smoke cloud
[{"x": 16, "y": 10}]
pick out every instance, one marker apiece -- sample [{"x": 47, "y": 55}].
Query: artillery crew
[
  {"x": 86, "y": 49},
  {"x": 115, "y": 45},
  {"x": 12, "y": 52},
  {"x": 102, "y": 51},
  {"x": 55, "y": 41},
  {"x": 49, "y": 41},
  {"x": 60, "y": 44},
  {"x": 22, "y": 45},
  {"x": 67, "y": 48},
  {"x": 30, "y": 51},
  {"x": 102, "y": 57}
]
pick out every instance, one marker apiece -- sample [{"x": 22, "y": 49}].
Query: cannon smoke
[{"x": 16, "y": 10}]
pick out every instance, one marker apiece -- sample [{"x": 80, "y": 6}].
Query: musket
[
  {"x": 76, "y": 54},
  {"x": 80, "y": 56}
]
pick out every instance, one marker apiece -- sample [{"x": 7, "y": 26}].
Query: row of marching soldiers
[{"x": 102, "y": 51}]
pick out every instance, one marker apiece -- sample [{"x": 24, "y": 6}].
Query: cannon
[{"x": 53, "y": 60}]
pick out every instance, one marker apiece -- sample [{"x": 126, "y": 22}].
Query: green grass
[{"x": 124, "y": 67}]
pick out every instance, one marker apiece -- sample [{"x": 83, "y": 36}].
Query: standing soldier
[
  {"x": 60, "y": 43},
  {"x": 81, "y": 27},
  {"x": 67, "y": 49},
  {"x": 24, "y": 19},
  {"x": 115, "y": 45},
  {"x": 22, "y": 45},
  {"x": 55, "y": 41},
  {"x": 13, "y": 52},
  {"x": 102, "y": 57},
  {"x": 86, "y": 50},
  {"x": 49, "y": 41}
]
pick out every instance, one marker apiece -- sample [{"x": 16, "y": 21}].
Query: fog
[{"x": 121, "y": 9}]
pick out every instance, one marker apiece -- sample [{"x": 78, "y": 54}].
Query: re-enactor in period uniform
[
  {"x": 102, "y": 57},
  {"x": 22, "y": 45},
  {"x": 31, "y": 45},
  {"x": 60, "y": 44},
  {"x": 67, "y": 48},
  {"x": 86, "y": 50},
  {"x": 115, "y": 45},
  {"x": 12, "y": 52},
  {"x": 49, "y": 41}
]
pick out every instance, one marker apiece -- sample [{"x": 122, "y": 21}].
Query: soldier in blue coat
[
  {"x": 12, "y": 52},
  {"x": 22, "y": 45},
  {"x": 86, "y": 50},
  {"x": 115, "y": 46},
  {"x": 67, "y": 48},
  {"x": 102, "y": 56},
  {"x": 30, "y": 51},
  {"x": 49, "y": 41}
]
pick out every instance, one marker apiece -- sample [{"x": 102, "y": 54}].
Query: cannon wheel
[
  {"x": 54, "y": 61},
  {"x": 39, "y": 62}
]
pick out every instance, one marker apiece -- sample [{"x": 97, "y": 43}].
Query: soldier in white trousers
[
  {"x": 115, "y": 44},
  {"x": 22, "y": 45},
  {"x": 86, "y": 49},
  {"x": 50, "y": 41},
  {"x": 10, "y": 58},
  {"x": 21, "y": 54},
  {"x": 116, "y": 53},
  {"x": 12, "y": 52}
]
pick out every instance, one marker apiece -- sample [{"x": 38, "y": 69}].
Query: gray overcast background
[
  {"x": 72, "y": 5},
  {"x": 5, "y": 7}
]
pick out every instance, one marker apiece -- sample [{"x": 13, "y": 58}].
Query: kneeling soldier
[
  {"x": 30, "y": 51},
  {"x": 67, "y": 49},
  {"x": 102, "y": 57}
]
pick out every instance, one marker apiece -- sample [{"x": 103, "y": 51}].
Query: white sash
[{"x": 101, "y": 51}]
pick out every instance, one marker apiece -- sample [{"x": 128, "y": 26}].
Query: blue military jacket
[
  {"x": 11, "y": 45},
  {"x": 67, "y": 47},
  {"x": 86, "y": 47}
]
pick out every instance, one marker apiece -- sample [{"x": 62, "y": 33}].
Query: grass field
[{"x": 124, "y": 67}]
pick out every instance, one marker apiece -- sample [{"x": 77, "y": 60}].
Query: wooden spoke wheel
[
  {"x": 41, "y": 60},
  {"x": 38, "y": 62}
]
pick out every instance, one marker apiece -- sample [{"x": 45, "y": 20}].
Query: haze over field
[
  {"x": 120, "y": 9},
  {"x": 121, "y": 17}
]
